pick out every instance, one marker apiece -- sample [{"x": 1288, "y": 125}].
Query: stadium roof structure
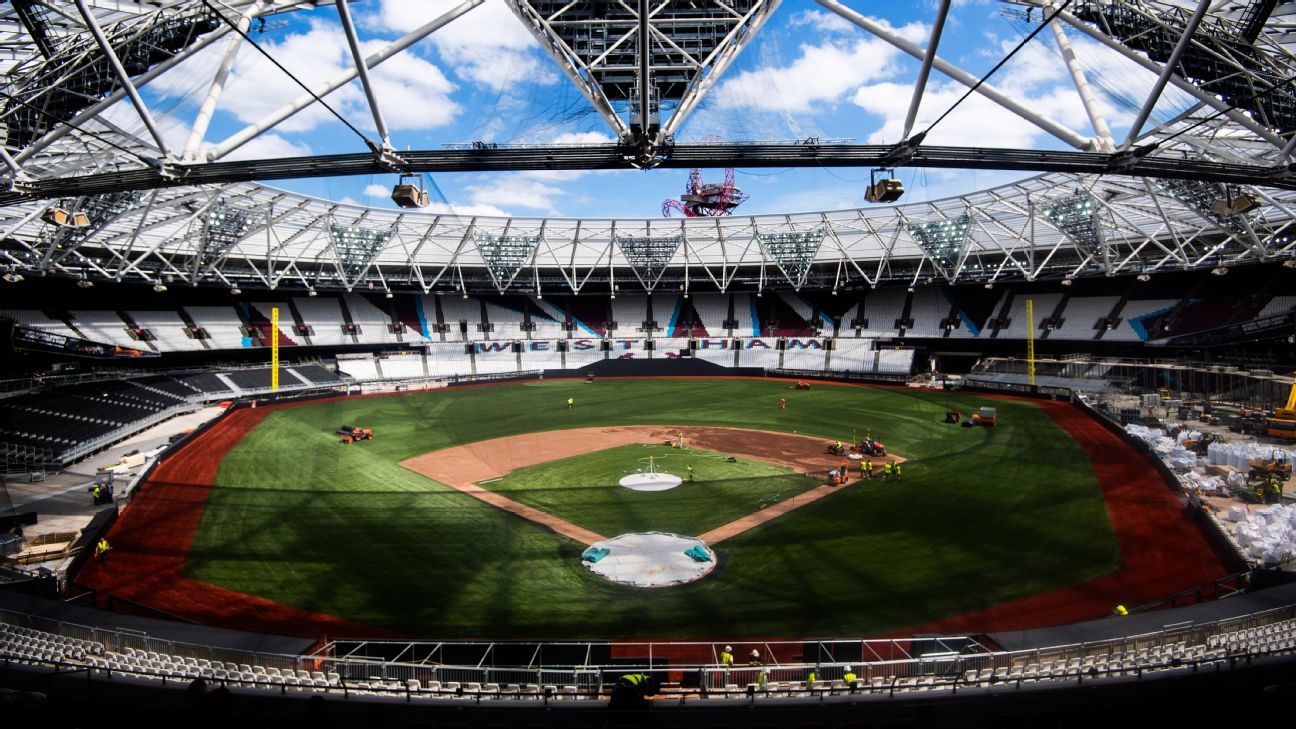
[{"x": 1209, "y": 188}]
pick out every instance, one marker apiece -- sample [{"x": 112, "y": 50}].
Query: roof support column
[
  {"x": 217, "y": 87},
  {"x": 1185, "y": 86},
  {"x": 1049, "y": 125},
  {"x": 362, "y": 68},
  {"x": 272, "y": 119},
  {"x": 89, "y": 113},
  {"x": 1167, "y": 71},
  {"x": 925, "y": 72},
  {"x": 122, "y": 76},
  {"x": 1087, "y": 97}
]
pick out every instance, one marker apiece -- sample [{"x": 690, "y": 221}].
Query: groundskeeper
[{"x": 632, "y": 691}]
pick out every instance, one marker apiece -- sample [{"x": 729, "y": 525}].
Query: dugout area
[{"x": 264, "y": 522}]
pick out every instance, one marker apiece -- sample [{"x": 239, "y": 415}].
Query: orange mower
[
  {"x": 985, "y": 416},
  {"x": 353, "y": 433},
  {"x": 871, "y": 448}
]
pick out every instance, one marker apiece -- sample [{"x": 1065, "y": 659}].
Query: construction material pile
[
  {"x": 1238, "y": 455},
  {"x": 1168, "y": 449},
  {"x": 1268, "y": 535}
]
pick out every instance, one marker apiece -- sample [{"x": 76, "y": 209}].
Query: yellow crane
[{"x": 1283, "y": 423}]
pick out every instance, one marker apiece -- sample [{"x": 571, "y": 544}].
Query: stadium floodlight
[
  {"x": 1077, "y": 217},
  {"x": 648, "y": 256},
  {"x": 505, "y": 255},
  {"x": 1204, "y": 198},
  {"x": 944, "y": 242},
  {"x": 222, "y": 229},
  {"x": 793, "y": 253},
  {"x": 355, "y": 249}
]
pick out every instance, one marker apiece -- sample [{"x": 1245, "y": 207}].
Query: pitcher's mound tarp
[
  {"x": 651, "y": 559},
  {"x": 650, "y": 481}
]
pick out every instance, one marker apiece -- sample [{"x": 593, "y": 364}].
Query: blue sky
[{"x": 483, "y": 77}]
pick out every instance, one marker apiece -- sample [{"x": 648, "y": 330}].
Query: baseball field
[{"x": 267, "y": 522}]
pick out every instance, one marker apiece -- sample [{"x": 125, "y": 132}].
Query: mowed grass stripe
[{"x": 982, "y": 516}]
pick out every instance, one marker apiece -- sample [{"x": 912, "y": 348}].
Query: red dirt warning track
[
  {"x": 151, "y": 540},
  {"x": 1163, "y": 551}
]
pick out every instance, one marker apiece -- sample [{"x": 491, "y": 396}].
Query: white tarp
[
  {"x": 651, "y": 481},
  {"x": 651, "y": 559}
]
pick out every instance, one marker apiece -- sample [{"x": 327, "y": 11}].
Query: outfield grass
[
  {"x": 983, "y": 516},
  {"x": 585, "y": 490}
]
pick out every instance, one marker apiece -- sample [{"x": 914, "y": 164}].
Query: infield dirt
[{"x": 463, "y": 467}]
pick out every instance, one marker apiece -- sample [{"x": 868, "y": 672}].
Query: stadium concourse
[{"x": 985, "y": 417}]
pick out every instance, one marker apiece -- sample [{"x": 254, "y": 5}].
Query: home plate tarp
[
  {"x": 650, "y": 481},
  {"x": 651, "y": 559}
]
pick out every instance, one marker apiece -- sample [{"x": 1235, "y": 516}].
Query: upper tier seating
[
  {"x": 882, "y": 308},
  {"x": 37, "y": 320},
  {"x": 323, "y": 314}
]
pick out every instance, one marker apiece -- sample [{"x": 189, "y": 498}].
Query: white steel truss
[{"x": 642, "y": 64}]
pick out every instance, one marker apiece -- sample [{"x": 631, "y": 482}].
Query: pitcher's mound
[
  {"x": 650, "y": 559},
  {"x": 651, "y": 481}
]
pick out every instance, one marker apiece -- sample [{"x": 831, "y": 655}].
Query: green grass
[
  {"x": 585, "y": 490},
  {"x": 982, "y": 516}
]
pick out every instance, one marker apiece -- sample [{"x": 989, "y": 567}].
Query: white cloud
[
  {"x": 822, "y": 21},
  {"x": 821, "y": 74},
  {"x": 977, "y": 122},
  {"x": 488, "y": 45},
  {"x": 582, "y": 138},
  {"x": 412, "y": 92},
  {"x": 467, "y": 210},
  {"x": 516, "y": 190},
  {"x": 270, "y": 146},
  {"x": 374, "y": 189}
]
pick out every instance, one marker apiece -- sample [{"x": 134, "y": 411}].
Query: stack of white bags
[
  {"x": 1269, "y": 534},
  {"x": 1169, "y": 450},
  {"x": 1237, "y": 454}
]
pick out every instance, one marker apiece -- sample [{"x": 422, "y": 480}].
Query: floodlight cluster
[
  {"x": 225, "y": 226},
  {"x": 505, "y": 255},
  {"x": 648, "y": 256},
  {"x": 1201, "y": 197},
  {"x": 356, "y": 248},
  {"x": 942, "y": 240},
  {"x": 1077, "y": 217},
  {"x": 793, "y": 252}
]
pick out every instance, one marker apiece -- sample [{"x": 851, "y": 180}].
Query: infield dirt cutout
[{"x": 463, "y": 467}]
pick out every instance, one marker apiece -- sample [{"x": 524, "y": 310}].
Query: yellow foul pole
[
  {"x": 274, "y": 349},
  {"x": 1030, "y": 340}
]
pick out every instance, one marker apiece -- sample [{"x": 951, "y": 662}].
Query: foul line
[{"x": 544, "y": 518}]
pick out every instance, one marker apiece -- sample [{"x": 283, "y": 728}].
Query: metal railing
[{"x": 964, "y": 665}]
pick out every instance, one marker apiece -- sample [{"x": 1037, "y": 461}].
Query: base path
[{"x": 463, "y": 467}]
